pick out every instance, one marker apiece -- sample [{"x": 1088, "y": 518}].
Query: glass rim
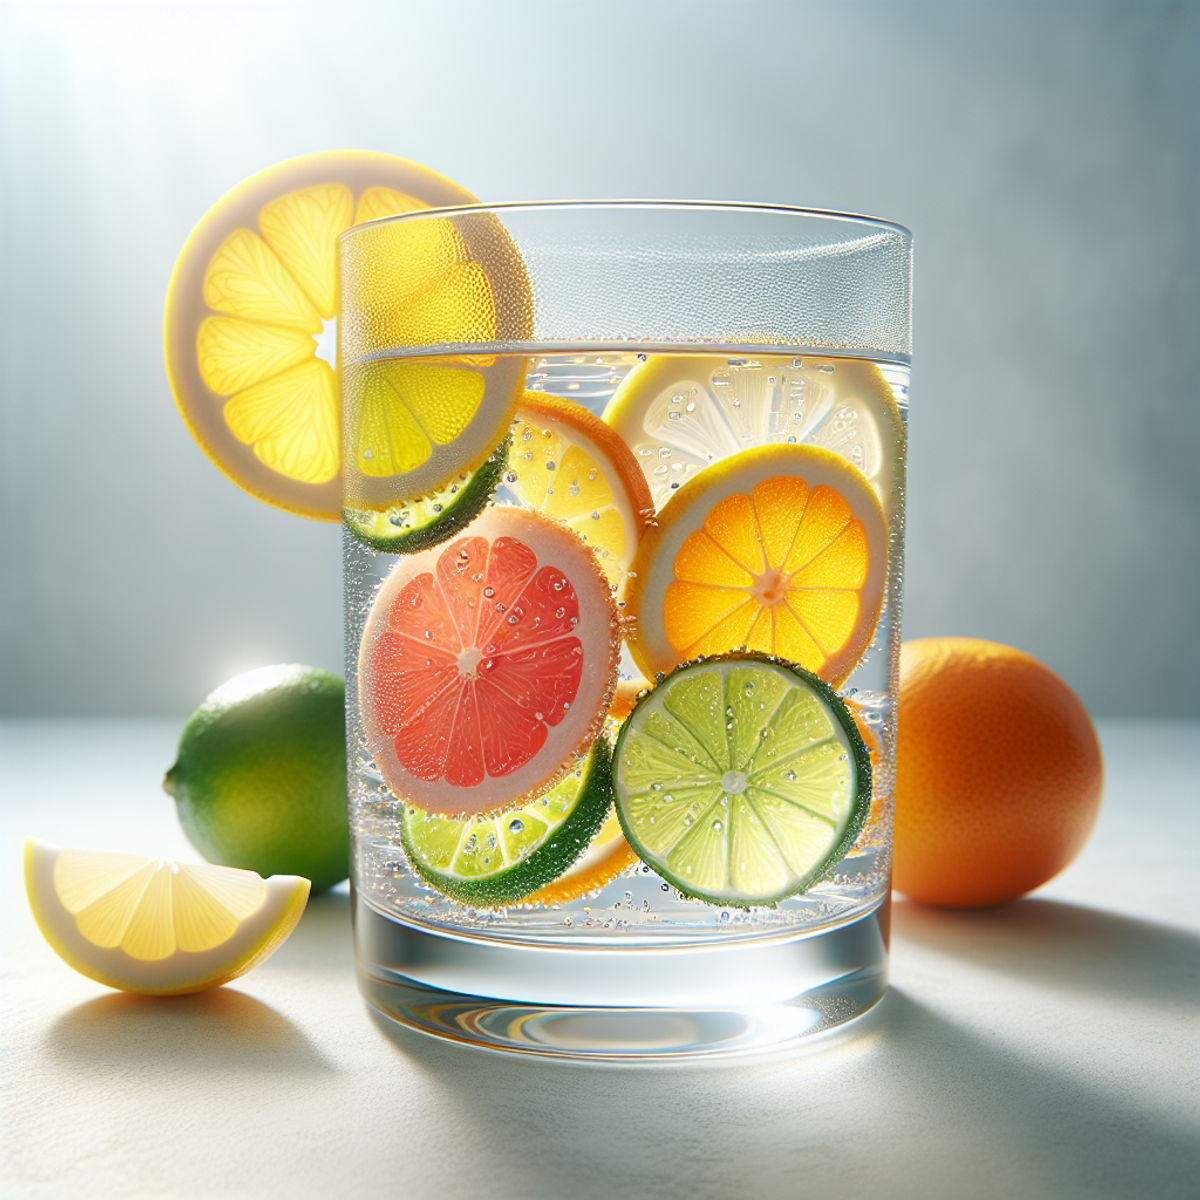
[{"x": 742, "y": 206}]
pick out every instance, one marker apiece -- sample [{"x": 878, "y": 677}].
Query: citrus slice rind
[
  {"x": 501, "y": 858},
  {"x": 680, "y": 414},
  {"x": 570, "y": 465},
  {"x": 249, "y": 323},
  {"x": 154, "y": 927},
  {"x": 429, "y": 520},
  {"x": 487, "y": 665},
  {"x": 780, "y": 549},
  {"x": 606, "y": 856},
  {"x": 741, "y": 779}
]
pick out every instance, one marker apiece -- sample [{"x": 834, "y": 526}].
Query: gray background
[{"x": 1045, "y": 155}]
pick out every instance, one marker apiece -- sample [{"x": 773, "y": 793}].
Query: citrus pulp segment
[
  {"x": 569, "y": 464},
  {"x": 781, "y": 549},
  {"x": 681, "y": 413},
  {"x": 429, "y": 520},
  {"x": 249, "y": 327},
  {"x": 428, "y": 305},
  {"x": 159, "y": 928},
  {"x": 501, "y": 858},
  {"x": 741, "y": 779},
  {"x": 487, "y": 666}
]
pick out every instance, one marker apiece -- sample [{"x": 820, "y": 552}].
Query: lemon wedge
[{"x": 155, "y": 927}]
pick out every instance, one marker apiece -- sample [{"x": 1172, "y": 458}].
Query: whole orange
[{"x": 998, "y": 773}]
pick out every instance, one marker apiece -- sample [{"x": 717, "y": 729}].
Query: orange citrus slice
[
  {"x": 607, "y": 855},
  {"x": 682, "y": 413},
  {"x": 487, "y": 666},
  {"x": 780, "y": 549},
  {"x": 250, "y": 325},
  {"x": 570, "y": 465},
  {"x": 155, "y": 927}
]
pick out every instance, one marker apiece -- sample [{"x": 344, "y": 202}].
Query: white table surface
[{"x": 1047, "y": 1048}]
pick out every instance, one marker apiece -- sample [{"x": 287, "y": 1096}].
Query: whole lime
[{"x": 260, "y": 777}]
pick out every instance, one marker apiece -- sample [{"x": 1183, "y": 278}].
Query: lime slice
[
  {"x": 429, "y": 520},
  {"x": 503, "y": 857},
  {"x": 741, "y": 779}
]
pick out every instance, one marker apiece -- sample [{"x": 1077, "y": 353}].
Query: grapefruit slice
[
  {"x": 781, "y": 549},
  {"x": 570, "y": 465},
  {"x": 487, "y": 667},
  {"x": 155, "y": 927},
  {"x": 682, "y": 413}
]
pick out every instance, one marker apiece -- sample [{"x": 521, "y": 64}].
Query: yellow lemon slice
[
  {"x": 572, "y": 466},
  {"x": 780, "y": 549},
  {"x": 682, "y": 413},
  {"x": 249, "y": 330},
  {"x": 159, "y": 928}
]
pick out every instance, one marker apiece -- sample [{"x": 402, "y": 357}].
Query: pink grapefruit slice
[{"x": 487, "y": 666}]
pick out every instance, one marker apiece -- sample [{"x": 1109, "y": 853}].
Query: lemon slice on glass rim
[
  {"x": 155, "y": 927},
  {"x": 250, "y": 334}
]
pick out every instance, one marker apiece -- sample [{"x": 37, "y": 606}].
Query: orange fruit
[
  {"x": 998, "y": 773},
  {"x": 780, "y": 549}
]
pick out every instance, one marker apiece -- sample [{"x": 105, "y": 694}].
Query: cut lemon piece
[
  {"x": 502, "y": 857},
  {"x": 159, "y": 928},
  {"x": 741, "y": 780},
  {"x": 570, "y": 465},
  {"x": 681, "y": 413},
  {"x": 781, "y": 549},
  {"x": 414, "y": 417},
  {"x": 249, "y": 329}
]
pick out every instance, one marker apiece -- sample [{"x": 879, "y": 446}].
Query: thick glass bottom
[{"x": 622, "y": 1002}]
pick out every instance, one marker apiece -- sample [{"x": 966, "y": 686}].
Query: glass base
[{"x": 601, "y": 1001}]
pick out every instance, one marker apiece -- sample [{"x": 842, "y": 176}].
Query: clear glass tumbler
[{"x": 624, "y": 515}]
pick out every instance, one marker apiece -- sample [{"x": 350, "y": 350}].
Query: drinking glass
[{"x": 675, "y": 433}]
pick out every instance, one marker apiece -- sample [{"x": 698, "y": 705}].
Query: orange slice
[
  {"x": 570, "y": 465},
  {"x": 680, "y": 414},
  {"x": 607, "y": 855},
  {"x": 249, "y": 330},
  {"x": 780, "y": 549},
  {"x": 487, "y": 666}
]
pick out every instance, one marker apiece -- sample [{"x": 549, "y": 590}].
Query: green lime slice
[
  {"x": 741, "y": 779},
  {"x": 429, "y": 520},
  {"x": 502, "y": 857}
]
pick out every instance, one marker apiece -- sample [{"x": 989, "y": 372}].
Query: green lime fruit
[
  {"x": 429, "y": 520},
  {"x": 260, "y": 777},
  {"x": 500, "y": 858},
  {"x": 741, "y": 779}
]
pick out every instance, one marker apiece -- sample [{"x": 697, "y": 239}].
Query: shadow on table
[
  {"x": 915, "y": 1105},
  {"x": 219, "y": 1031},
  {"x": 1065, "y": 947}
]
